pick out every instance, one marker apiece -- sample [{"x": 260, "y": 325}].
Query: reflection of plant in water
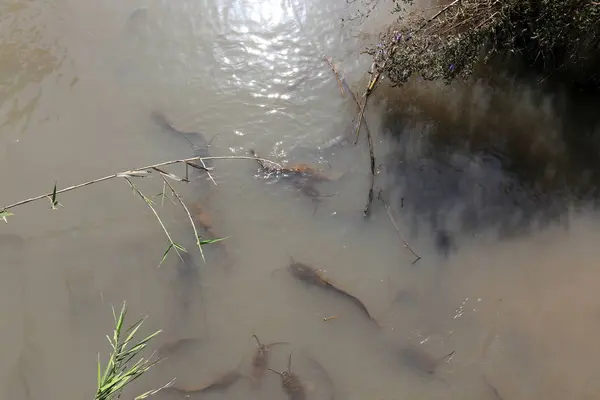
[
  {"x": 119, "y": 372},
  {"x": 448, "y": 41}
]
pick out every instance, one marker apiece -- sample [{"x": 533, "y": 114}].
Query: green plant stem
[
  {"x": 133, "y": 171},
  {"x": 189, "y": 216}
]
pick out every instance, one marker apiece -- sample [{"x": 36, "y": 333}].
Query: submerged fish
[
  {"x": 420, "y": 359},
  {"x": 299, "y": 170},
  {"x": 314, "y": 277},
  {"x": 179, "y": 345},
  {"x": 291, "y": 383},
  {"x": 324, "y": 374},
  {"x": 260, "y": 360},
  {"x": 220, "y": 384},
  {"x": 195, "y": 139}
]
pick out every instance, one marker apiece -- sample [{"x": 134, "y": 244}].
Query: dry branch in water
[
  {"x": 337, "y": 75},
  {"x": 370, "y": 87},
  {"x": 389, "y": 213}
]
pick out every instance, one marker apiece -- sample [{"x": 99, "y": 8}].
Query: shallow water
[{"x": 500, "y": 282}]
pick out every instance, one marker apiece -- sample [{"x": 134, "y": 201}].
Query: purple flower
[
  {"x": 398, "y": 36},
  {"x": 452, "y": 67}
]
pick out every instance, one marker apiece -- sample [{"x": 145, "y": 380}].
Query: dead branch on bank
[
  {"x": 389, "y": 213},
  {"x": 141, "y": 173},
  {"x": 361, "y": 119}
]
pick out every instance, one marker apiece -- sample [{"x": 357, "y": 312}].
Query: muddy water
[{"x": 79, "y": 80}]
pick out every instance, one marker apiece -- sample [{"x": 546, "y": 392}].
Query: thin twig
[
  {"x": 347, "y": 87},
  {"x": 368, "y": 91},
  {"x": 367, "y": 210},
  {"x": 132, "y": 172},
  {"x": 361, "y": 119},
  {"x": 443, "y": 10},
  {"x": 188, "y": 213},
  {"x": 336, "y": 73},
  {"x": 208, "y": 172},
  {"x": 361, "y": 113},
  {"x": 389, "y": 213},
  {"x": 149, "y": 203}
]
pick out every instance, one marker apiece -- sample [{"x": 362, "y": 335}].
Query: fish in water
[
  {"x": 220, "y": 384},
  {"x": 324, "y": 374},
  {"x": 178, "y": 345},
  {"x": 420, "y": 359},
  {"x": 312, "y": 276},
  {"x": 260, "y": 360},
  {"x": 195, "y": 139},
  {"x": 303, "y": 176},
  {"x": 200, "y": 147},
  {"x": 291, "y": 383},
  {"x": 294, "y": 171}
]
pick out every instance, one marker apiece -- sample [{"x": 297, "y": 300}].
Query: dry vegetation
[{"x": 558, "y": 38}]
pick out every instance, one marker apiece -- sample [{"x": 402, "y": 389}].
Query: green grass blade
[
  {"x": 180, "y": 247},
  {"x": 99, "y": 371},
  {"x": 164, "y": 257},
  {"x": 119, "y": 325},
  {"x": 54, "y": 195},
  {"x": 4, "y": 214},
  {"x": 211, "y": 241}
]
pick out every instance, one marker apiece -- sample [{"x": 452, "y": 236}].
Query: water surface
[{"x": 79, "y": 81}]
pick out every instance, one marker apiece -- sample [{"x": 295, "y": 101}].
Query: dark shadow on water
[{"x": 458, "y": 176}]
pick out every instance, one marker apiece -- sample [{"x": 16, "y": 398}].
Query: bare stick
[
  {"x": 137, "y": 172},
  {"x": 367, "y": 210},
  {"x": 368, "y": 91},
  {"x": 389, "y": 213},
  {"x": 188, "y": 213},
  {"x": 149, "y": 203},
  {"x": 337, "y": 75},
  {"x": 437, "y": 15},
  {"x": 361, "y": 119},
  {"x": 208, "y": 172},
  {"x": 347, "y": 87}
]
